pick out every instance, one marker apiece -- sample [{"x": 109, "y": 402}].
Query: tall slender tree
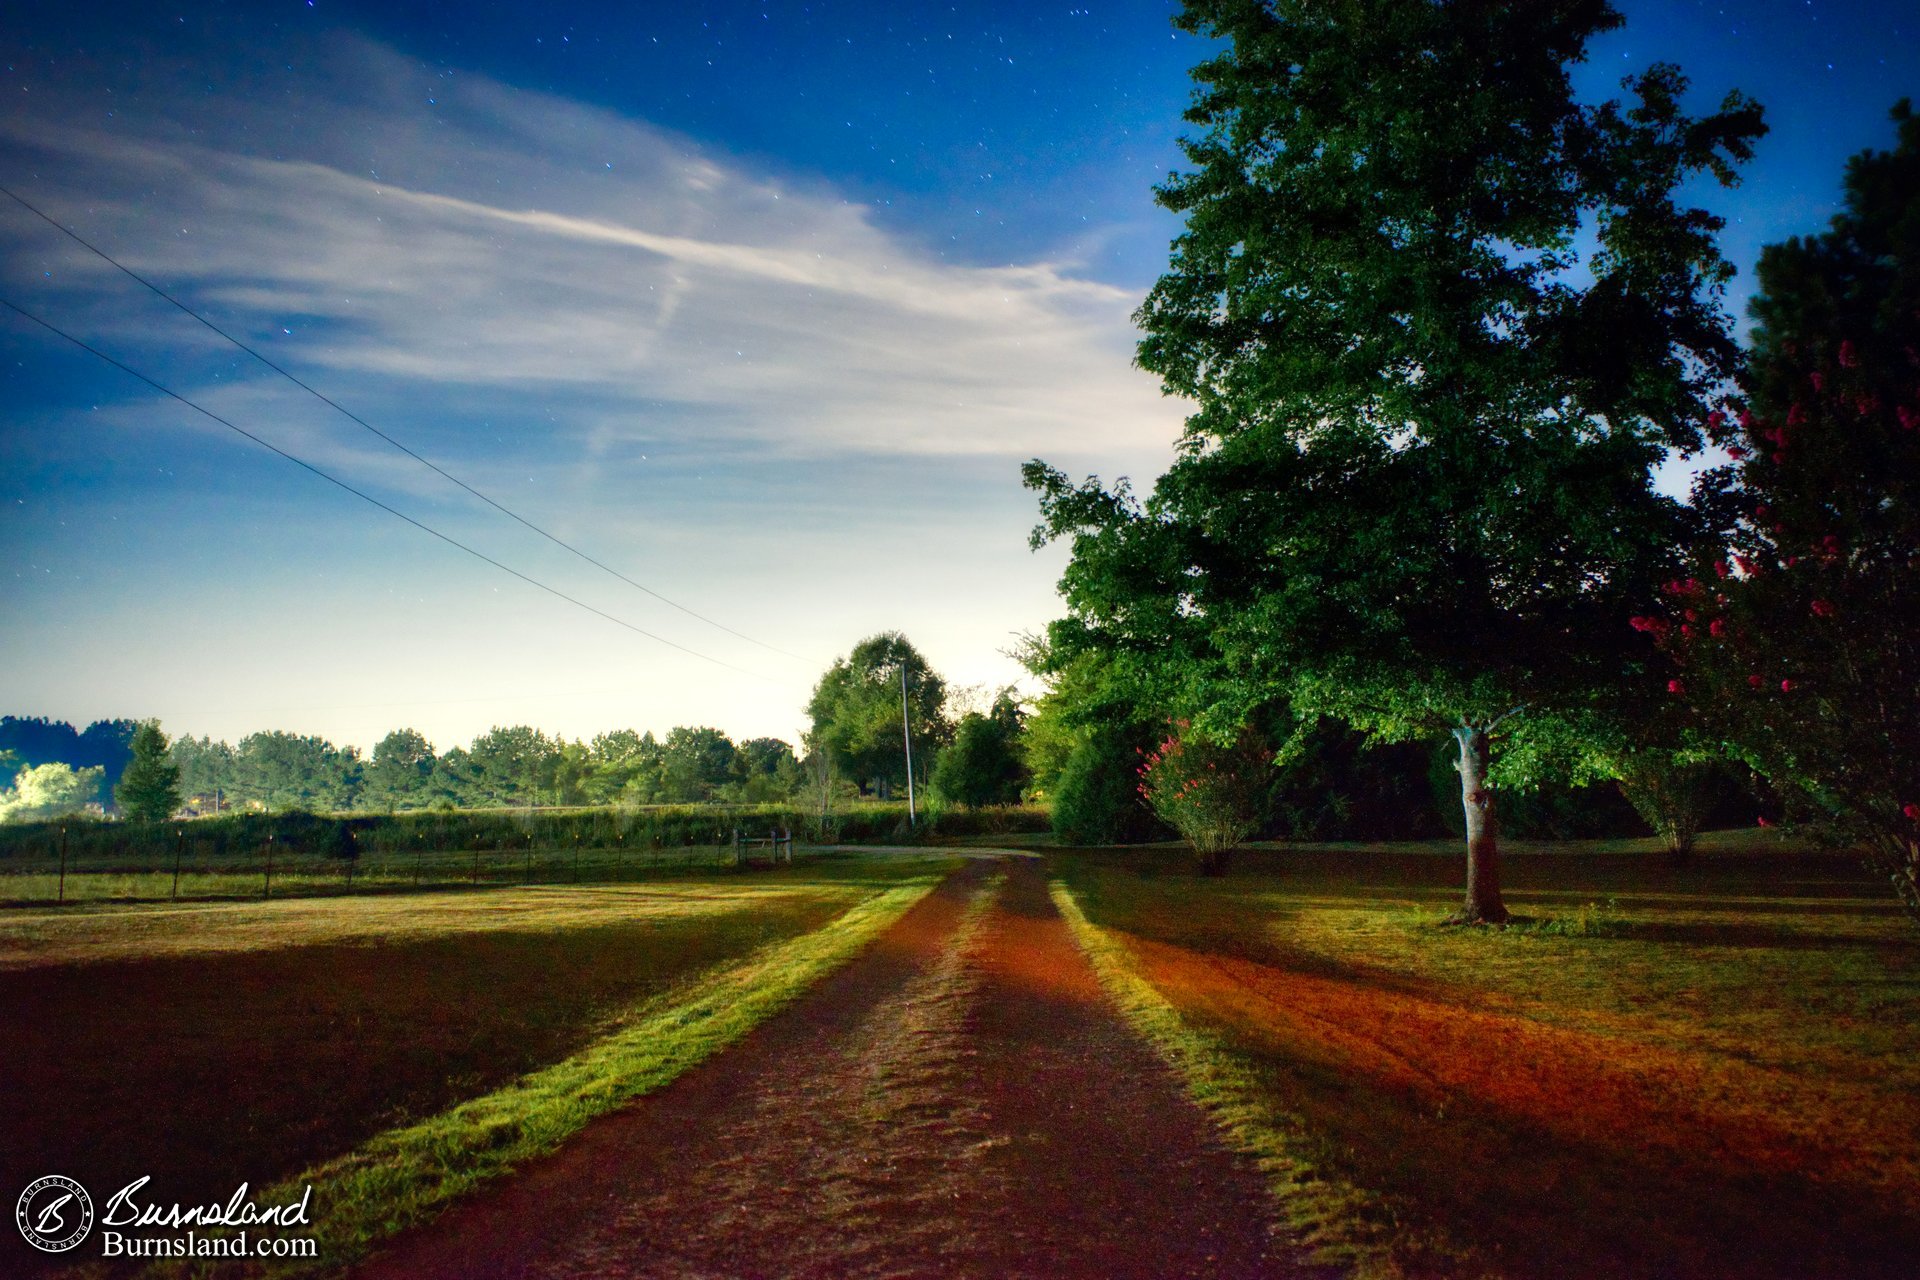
[
  {"x": 149, "y": 789},
  {"x": 1439, "y": 320}
]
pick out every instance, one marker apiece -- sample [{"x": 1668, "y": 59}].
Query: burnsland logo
[{"x": 54, "y": 1213}]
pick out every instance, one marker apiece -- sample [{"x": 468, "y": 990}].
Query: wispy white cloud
[{"x": 499, "y": 238}]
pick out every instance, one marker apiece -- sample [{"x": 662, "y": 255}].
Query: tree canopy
[
  {"x": 982, "y": 765},
  {"x": 1415, "y": 491},
  {"x": 856, "y": 712},
  {"x": 45, "y": 791}
]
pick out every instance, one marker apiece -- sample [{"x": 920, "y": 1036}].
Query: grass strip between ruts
[
  {"x": 404, "y": 1176},
  {"x": 1336, "y": 1221}
]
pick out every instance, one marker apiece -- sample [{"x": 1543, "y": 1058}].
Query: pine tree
[{"x": 149, "y": 789}]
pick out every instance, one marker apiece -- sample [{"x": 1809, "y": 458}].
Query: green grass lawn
[
  {"x": 213, "y": 1043},
  {"x": 1711, "y": 1070}
]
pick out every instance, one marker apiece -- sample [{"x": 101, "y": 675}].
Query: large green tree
[
  {"x": 765, "y": 770},
  {"x": 505, "y": 766},
  {"x": 1438, "y": 320},
  {"x": 983, "y": 765},
  {"x": 626, "y": 768},
  {"x": 1803, "y": 646},
  {"x": 696, "y": 762},
  {"x": 401, "y": 772},
  {"x": 149, "y": 788},
  {"x": 856, "y": 712}
]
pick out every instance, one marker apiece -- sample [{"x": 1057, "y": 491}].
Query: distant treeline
[
  {"x": 517, "y": 766},
  {"x": 1336, "y": 789}
]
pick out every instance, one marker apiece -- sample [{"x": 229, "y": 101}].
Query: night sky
[{"x": 759, "y": 304}]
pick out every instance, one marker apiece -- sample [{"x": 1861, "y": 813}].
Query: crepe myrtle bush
[
  {"x": 1798, "y": 636},
  {"x": 1213, "y": 795}
]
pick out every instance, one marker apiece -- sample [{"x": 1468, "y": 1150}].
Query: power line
[
  {"x": 361, "y": 494},
  {"x": 354, "y": 417}
]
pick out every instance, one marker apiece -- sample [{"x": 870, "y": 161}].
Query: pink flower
[
  {"x": 1819, "y": 380},
  {"x": 1796, "y": 414},
  {"x": 1737, "y": 453},
  {"x": 1908, "y": 418},
  {"x": 1823, "y": 608},
  {"x": 1642, "y": 624},
  {"x": 1762, "y": 511},
  {"x": 1719, "y": 568},
  {"x": 1912, "y": 811},
  {"x": 1849, "y": 358},
  {"x": 1762, "y": 820},
  {"x": 1746, "y": 419},
  {"x": 1756, "y": 681},
  {"x": 1786, "y": 686},
  {"x": 1676, "y": 687},
  {"x": 1686, "y": 631},
  {"x": 1718, "y": 627}
]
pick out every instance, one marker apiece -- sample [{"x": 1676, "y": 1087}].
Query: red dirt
[
  {"x": 1667, "y": 1101},
  {"x": 959, "y": 1101}
]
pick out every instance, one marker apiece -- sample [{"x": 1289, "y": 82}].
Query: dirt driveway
[{"x": 960, "y": 1101}]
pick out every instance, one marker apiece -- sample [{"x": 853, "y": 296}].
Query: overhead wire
[
  {"x": 363, "y": 495},
  {"x": 80, "y": 240}
]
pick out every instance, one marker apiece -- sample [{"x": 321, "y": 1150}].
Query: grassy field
[
  {"x": 209, "y": 1043},
  {"x": 1711, "y": 1070}
]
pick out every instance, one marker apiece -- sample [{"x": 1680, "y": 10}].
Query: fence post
[
  {"x": 576, "y": 857},
  {"x": 474, "y": 877},
  {"x": 179, "y": 847},
  {"x": 527, "y": 875},
  {"x": 267, "y": 892},
  {"x": 63, "y": 864}
]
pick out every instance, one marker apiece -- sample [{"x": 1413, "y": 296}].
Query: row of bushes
[
  {"x": 347, "y": 836},
  {"x": 1342, "y": 789}
]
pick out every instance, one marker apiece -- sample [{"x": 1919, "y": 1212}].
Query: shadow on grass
[
  {"x": 204, "y": 1071},
  {"x": 1494, "y": 1144},
  {"x": 1534, "y": 1204}
]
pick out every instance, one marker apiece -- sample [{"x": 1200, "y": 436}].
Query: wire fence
[{"x": 198, "y": 869}]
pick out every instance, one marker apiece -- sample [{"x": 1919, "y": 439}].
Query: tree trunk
[{"x": 1483, "y": 904}]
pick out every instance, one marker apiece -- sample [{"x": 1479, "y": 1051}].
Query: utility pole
[{"x": 906, "y": 730}]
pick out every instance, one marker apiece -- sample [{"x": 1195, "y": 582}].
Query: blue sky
[{"x": 761, "y": 304}]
